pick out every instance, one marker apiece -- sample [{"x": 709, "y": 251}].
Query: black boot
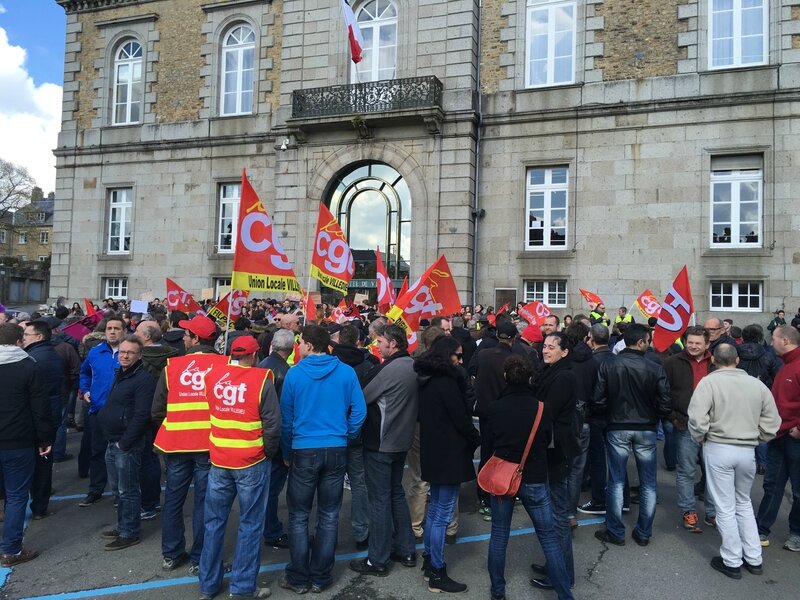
[
  {"x": 440, "y": 582},
  {"x": 426, "y": 566}
]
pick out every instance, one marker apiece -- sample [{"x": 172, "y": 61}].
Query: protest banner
[
  {"x": 179, "y": 299},
  {"x": 676, "y": 311},
  {"x": 332, "y": 260}
]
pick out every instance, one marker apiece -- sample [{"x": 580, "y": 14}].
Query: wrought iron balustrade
[{"x": 372, "y": 97}]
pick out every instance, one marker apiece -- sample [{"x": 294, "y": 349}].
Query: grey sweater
[
  {"x": 392, "y": 407},
  {"x": 731, "y": 407}
]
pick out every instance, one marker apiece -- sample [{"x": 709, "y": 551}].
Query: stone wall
[{"x": 639, "y": 38}]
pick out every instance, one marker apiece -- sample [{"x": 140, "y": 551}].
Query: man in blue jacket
[
  {"x": 50, "y": 367},
  {"x": 124, "y": 420},
  {"x": 96, "y": 379},
  {"x": 322, "y": 406}
]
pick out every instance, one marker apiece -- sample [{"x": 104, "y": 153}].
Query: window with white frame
[
  {"x": 119, "y": 221},
  {"x": 44, "y": 237},
  {"x": 116, "y": 288},
  {"x": 552, "y": 293},
  {"x": 22, "y": 238},
  {"x": 550, "y": 43},
  {"x": 377, "y": 20},
  {"x": 238, "y": 70},
  {"x": 737, "y": 184},
  {"x": 221, "y": 284},
  {"x": 127, "y": 91},
  {"x": 42, "y": 258},
  {"x": 229, "y": 196},
  {"x": 736, "y": 295},
  {"x": 737, "y": 33},
  {"x": 546, "y": 200}
]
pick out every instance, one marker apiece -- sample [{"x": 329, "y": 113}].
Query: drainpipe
[{"x": 477, "y": 211}]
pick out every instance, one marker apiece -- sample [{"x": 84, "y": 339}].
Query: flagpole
[
  {"x": 228, "y": 322},
  {"x": 308, "y": 293}
]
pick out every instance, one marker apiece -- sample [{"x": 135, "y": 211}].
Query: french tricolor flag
[{"x": 353, "y": 32}]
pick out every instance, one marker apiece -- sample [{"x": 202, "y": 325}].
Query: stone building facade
[{"x": 542, "y": 145}]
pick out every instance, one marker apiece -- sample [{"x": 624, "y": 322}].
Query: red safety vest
[
  {"x": 234, "y": 398},
  {"x": 186, "y": 426}
]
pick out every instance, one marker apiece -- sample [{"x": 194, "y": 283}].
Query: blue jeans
[
  {"x": 389, "y": 518},
  {"x": 535, "y": 498},
  {"x": 576, "y": 471},
  {"x": 123, "y": 475},
  {"x": 183, "y": 468},
  {"x": 783, "y": 464},
  {"x": 440, "y": 512},
  {"x": 597, "y": 463},
  {"x": 273, "y": 528},
  {"x": 251, "y": 484},
  {"x": 761, "y": 454},
  {"x": 687, "y": 453},
  {"x": 320, "y": 472},
  {"x": 619, "y": 445},
  {"x": 670, "y": 444},
  {"x": 16, "y": 467},
  {"x": 359, "y": 496},
  {"x": 559, "y": 497}
]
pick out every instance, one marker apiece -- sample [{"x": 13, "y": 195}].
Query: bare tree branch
[{"x": 16, "y": 185}]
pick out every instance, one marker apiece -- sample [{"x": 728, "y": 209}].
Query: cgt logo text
[
  {"x": 229, "y": 393},
  {"x": 193, "y": 377}
]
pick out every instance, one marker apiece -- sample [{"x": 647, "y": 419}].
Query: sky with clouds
[{"x": 31, "y": 76}]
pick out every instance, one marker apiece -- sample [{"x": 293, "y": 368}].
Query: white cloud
[
  {"x": 2, "y": 10},
  {"x": 30, "y": 116}
]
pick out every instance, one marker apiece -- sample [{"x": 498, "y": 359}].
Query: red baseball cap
[
  {"x": 244, "y": 344},
  {"x": 201, "y": 326}
]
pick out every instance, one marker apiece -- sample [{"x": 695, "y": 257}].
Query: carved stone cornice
[{"x": 77, "y": 6}]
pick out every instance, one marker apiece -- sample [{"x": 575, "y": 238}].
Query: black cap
[
  {"x": 507, "y": 331},
  {"x": 51, "y": 322}
]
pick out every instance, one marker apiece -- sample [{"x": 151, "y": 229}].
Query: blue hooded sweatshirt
[{"x": 322, "y": 405}]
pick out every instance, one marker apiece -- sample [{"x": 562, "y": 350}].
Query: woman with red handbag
[
  {"x": 447, "y": 443},
  {"x": 512, "y": 419}
]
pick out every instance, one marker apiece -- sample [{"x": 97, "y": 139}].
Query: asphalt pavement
[{"x": 675, "y": 565}]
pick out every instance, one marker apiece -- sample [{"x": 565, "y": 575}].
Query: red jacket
[{"x": 786, "y": 390}]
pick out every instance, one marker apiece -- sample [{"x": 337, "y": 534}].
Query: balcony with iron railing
[{"x": 376, "y": 102}]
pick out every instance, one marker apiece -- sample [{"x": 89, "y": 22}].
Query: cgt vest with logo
[
  {"x": 234, "y": 399},
  {"x": 186, "y": 427}
]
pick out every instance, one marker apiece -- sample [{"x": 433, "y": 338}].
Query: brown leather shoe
[{"x": 9, "y": 560}]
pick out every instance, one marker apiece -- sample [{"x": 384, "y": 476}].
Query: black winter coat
[
  {"x": 759, "y": 362},
  {"x": 511, "y": 419},
  {"x": 447, "y": 437},
  {"x": 125, "y": 417},
  {"x": 557, "y": 387},
  {"x": 25, "y": 414},
  {"x": 51, "y": 370}
]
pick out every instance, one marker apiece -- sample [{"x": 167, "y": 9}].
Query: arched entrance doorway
[{"x": 372, "y": 203}]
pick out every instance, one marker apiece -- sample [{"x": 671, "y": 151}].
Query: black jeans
[
  {"x": 98, "y": 476},
  {"x": 487, "y": 450}
]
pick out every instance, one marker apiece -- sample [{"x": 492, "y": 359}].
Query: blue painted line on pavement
[{"x": 167, "y": 583}]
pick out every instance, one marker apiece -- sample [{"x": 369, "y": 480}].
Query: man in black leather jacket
[{"x": 632, "y": 394}]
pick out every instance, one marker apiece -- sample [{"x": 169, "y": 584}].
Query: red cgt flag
[
  {"x": 332, "y": 262},
  {"x": 493, "y": 318},
  {"x": 403, "y": 288},
  {"x": 219, "y": 312},
  {"x": 535, "y": 312},
  {"x": 676, "y": 311},
  {"x": 648, "y": 304},
  {"x": 179, "y": 299},
  {"x": 309, "y": 308},
  {"x": 591, "y": 297},
  {"x": 259, "y": 262},
  {"x": 433, "y": 294},
  {"x": 90, "y": 309},
  {"x": 386, "y": 296}
]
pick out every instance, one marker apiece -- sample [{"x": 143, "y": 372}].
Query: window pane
[
  {"x": 558, "y": 199},
  {"x": 752, "y": 50},
  {"x": 247, "y": 58},
  {"x": 559, "y": 175},
  {"x": 536, "y": 176},
  {"x": 536, "y": 201}
]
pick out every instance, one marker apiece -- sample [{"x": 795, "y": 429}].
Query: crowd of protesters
[{"x": 313, "y": 408}]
